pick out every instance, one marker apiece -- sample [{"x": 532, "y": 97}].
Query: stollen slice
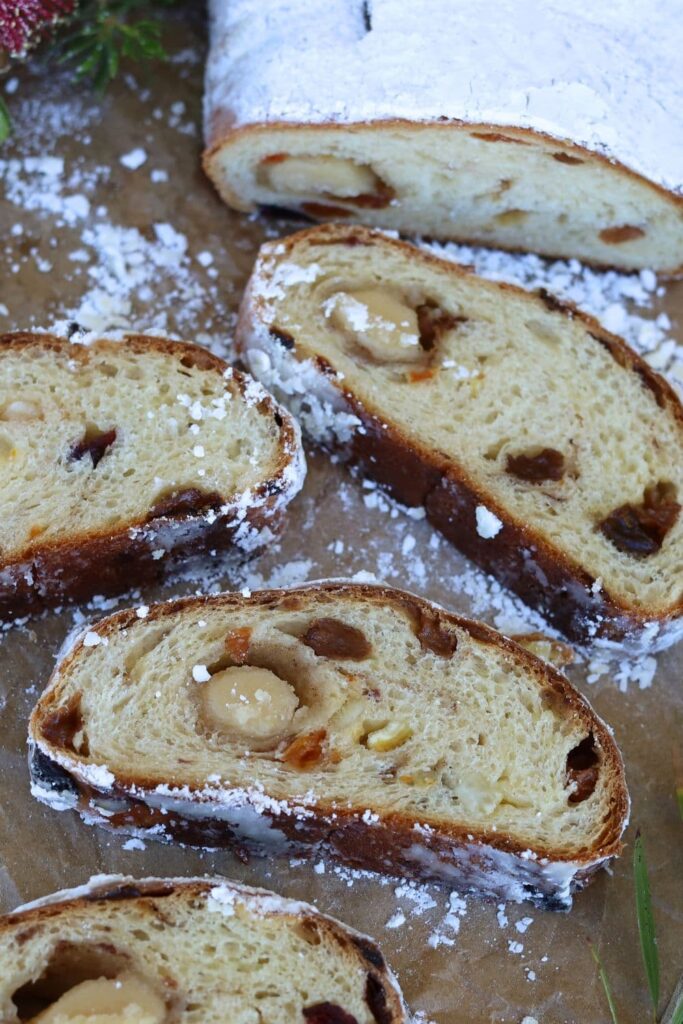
[
  {"x": 168, "y": 950},
  {"x": 120, "y": 458},
  {"x": 335, "y": 717},
  {"x": 540, "y": 444}
]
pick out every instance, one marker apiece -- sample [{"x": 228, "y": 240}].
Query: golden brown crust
[
  {"x": 223, "y": 133},
  {"x": 110, "y": 561},
  {"x": 381, "y": 845},
  {"x": 415, "y": 475}
]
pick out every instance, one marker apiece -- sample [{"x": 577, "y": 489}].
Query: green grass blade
[
  {"x": 646, "y": 921},
  {"x": 602, "y": 974},
  {"x": 5, "y": 121}
]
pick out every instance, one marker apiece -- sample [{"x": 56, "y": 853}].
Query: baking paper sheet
[{"x": 151, "y": 246}]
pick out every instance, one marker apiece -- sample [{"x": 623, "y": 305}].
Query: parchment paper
[{"x": 486, "y": 972}]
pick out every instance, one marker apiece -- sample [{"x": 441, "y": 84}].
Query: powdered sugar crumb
[
  {"x": 136, "y": 158},
  {"x": 134, "y": 844}
]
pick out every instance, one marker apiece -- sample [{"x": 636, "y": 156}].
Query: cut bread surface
[
  {"x": 558, "y": 438},
  {"x": 313, "y": 714},
  {"x": 418, "y": 118},
  {"x": 476, "y": 183},
  {"x": 100, "y": 442},
  {"x": 165, "y": 951}
]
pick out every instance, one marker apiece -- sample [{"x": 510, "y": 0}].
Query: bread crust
[
  {"x": 359, "y": 950},
  {"x": 489, "y": 861},
  {"x": 418, "y": 476},
  {"x": 222, "y": 133},
  {"x": 111, "y": 561}
]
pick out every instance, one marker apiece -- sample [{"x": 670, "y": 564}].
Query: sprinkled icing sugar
[
  {"x": 129, "y": 279},
  {"x": 617, "y": 300},
  {"x": 488, "y": 524},
  {"x": 607, "y": 76}
]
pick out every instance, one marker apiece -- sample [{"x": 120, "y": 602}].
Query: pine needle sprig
[{"x": 103, "y": 33}]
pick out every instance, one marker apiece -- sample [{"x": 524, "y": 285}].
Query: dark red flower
[{"x": 23, "y": 23}]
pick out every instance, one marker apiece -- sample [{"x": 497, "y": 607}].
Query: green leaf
[
  {"x": 679, "y": 800},
  {"x": 5, "y": 121},
  {"x": 602, "y": 974},
  {"x": 646, "y": 921},
  {"x": 677, "y": 1016}
]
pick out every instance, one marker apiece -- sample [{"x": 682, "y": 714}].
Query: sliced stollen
[
  {"x": 115, "y": 454},
  {"x": 421, "y": 117},
  {"x": 335, "y": 717},
  {"x": 537, "y": 442},
  {"x": 168, "y": 950}
]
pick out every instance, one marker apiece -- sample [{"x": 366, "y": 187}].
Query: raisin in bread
[
  {"x": 539, "y": 443},
  {"x": 353, "y": 719},
  {"x": 116, "y": 453},
  {"x": 417, "y": 117},
  {"x": 163, "y": 951}
]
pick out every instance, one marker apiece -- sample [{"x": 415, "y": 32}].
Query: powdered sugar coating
[
  {"x": 606, "y": 76},
  {"x": 317, "y": 402}
]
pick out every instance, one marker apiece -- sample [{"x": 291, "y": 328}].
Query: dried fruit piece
[
  {"x": 237, "y": 644},
  {"x": 498, "y": 137},
  {"x": 306, "y": 751},
  {"x": 433, "y": 322},
  {"x": 624, "y": 233},
  {"x": 283, "y": 337},
  {"x": 434, "y": 637},
  {"x": 274, "y": 158},
  {"x": 63, "y": 724},
  {"x": 566, "y": 158},
  {"x": 331, "y": 638},
  {"x": 583, "y": 767},
  {"x": 94, "y": 443},
  {"x": 327, "y": 1013},
  {"x": 639, "y": 530},
  {"x": 546, "y": 464},
  {"x": 417, "y": 376}
]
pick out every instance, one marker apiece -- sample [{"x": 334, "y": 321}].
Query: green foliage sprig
[
  {"x": 5, "y": 121},
  {"x": 97, "y": 36},
  {"x": 103, "y": 32},
  {"x": 648, "y": 947}
]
